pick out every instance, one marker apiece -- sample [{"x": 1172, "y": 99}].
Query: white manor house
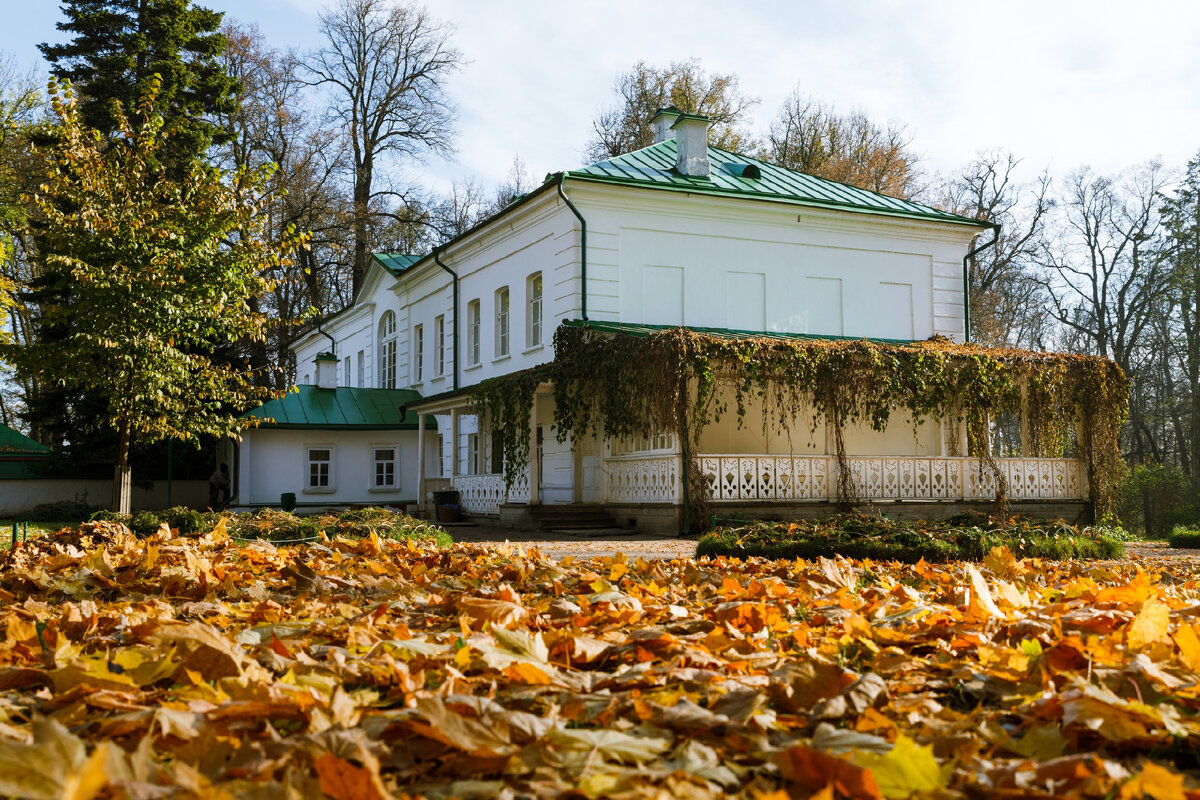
[{"x": 675, "y": 234}]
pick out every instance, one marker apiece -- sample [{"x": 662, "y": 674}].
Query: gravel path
[{"x": 559, "y": 545}]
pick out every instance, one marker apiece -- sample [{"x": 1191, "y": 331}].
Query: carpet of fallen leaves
[{"x": 365, "y": 668}]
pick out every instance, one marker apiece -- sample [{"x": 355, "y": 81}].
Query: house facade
[{"x": 675, "y": 234}]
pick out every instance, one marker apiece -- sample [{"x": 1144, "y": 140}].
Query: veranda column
[
  {"x": 1026, "y": 438},
  {"x": 534, "y": 476},
  {"x": 453, "y": 445},
  {"x": 421, "y": 463}
]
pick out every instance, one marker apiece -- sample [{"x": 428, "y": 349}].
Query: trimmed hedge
[
  {"x": 964, "y": 537},
  {"x": 1187, "y": 537}
]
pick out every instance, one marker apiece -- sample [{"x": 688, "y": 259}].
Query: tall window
[
  {"x": 346, "y": 363},
  {"x": 534, "y": 311},
  {"x": 472, "y": 453},
  {"x": 362, "y": 369},
  {"x": 439, "y": 346},
  {"x": 502, "y": 322},
  {"x": 473, "y": 330},
  {"x": 387, "y": 351},
  {"x": 319, "y": 460},
  {"x": 385, "y": 468},
  {"x": 418, "y": 354}
]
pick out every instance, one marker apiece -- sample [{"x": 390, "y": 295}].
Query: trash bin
[
  {"x": 287, "y": 501},
  {"x": 449, "y": 505}
]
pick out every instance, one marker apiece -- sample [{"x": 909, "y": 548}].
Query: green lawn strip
[
  {"x": 1186, "y": 537},
  {"x": 40, "y": 528},
  {"x": 966, "y": 537}
]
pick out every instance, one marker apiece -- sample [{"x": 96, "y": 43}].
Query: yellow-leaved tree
[{"x": 160, "y": 275}]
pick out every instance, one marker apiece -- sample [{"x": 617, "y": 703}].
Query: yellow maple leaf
[
  {"x": 905, "y": 769},
  {"x": 1150, "y": 625}
]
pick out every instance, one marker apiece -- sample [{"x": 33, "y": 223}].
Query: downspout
[
  {"x": 332, "y": 341},
  {"x": 562, "y": 177},
  {"x": 454, "y": 350},
  {"x": 967, "y": 280}
]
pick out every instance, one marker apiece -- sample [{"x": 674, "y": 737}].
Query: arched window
[{"x": 387, "y": 351}]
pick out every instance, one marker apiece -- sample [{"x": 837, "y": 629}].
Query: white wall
[
  {"x": 20, "y": 495},
  {"x": 669, "y": 258},
  {"x": 274, "y": 461}
]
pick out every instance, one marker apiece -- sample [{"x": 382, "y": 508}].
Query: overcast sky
[{"x": 1059, "y": 83}]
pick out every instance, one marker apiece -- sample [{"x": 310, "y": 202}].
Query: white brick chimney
[
  {"x": 327, "y": 367},
  {"x": 662, "y": 121},
  {"x": 691, "y": 144}
]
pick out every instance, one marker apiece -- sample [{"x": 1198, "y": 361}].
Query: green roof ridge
[{"x": 653, "y": 167}]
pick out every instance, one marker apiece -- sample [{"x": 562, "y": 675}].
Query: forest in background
[{"x": 1105, "y": 264}]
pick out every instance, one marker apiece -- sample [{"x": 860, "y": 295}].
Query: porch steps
[{"x": 576, "y": 519}]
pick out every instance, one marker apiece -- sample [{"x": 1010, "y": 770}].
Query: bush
[
  {"x": 968, "y": 536},
  {"x": 1185, "y": 537},
  {"x": 1154, "y": 499}
]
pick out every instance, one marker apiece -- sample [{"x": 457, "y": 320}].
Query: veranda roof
[{"x": 343, "y": 408}]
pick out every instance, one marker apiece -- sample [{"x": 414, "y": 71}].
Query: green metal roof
[
  {"x": 639, "y": 329},
  {"x": 653, "y": 167},
  {"x": 13, "y": 442},
  {"x": 396, "y": 263},
  {"x": 344, "y": 408}
]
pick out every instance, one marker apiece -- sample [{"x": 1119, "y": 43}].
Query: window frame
[
  {"x": 472, "y": 465},
  {"x": 474, "y": 333},
  {"x": 373, "y": 475},
  {"x": 534, "y": 309},
  {"x": 362, "y": 369},
  {"x": 387, "y": 335},
  {"x": 418, "y": 350},
  {"x": 503, "y": 321},
  {"x": 330, "y": 473},
  {"x": 439, "y": 346}
]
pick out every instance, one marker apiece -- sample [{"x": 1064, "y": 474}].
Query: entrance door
[{"x": 590, "y": 471}]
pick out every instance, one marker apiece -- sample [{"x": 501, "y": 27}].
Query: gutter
[
  {"x": 967, "y": 279},
  {"x": 454, "y": 275},
  {"x": 562, "y": 177}
]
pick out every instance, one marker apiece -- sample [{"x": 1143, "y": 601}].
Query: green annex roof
[
  {"x": 639, "y": 329},
  {"x": 396, "y": 263},
  {"x": 344, "y": 408},
  {"x": 653, "y": 167},
  {"x": 13, "y": 442}
]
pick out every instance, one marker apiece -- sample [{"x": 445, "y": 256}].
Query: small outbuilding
[{"x": 331, "y": 446}]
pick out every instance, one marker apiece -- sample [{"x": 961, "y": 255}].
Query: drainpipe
[
  {"x": 967, "y": 280},
  {"x": 562, "y": 177},
  {"x": 454, "y": 351},
  {"x": 332, "y": 341}
]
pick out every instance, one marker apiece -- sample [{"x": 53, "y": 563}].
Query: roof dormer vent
[{"x": 327, "y": 364}]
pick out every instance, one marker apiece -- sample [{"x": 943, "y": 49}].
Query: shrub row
[{"x": 967, "y": 536}]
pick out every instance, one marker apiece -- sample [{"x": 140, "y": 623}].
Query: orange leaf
[
  {"x": 814, "y": 770},
  {"x": 1150, "y": 625},
  {"x": 342, "y": 780}
]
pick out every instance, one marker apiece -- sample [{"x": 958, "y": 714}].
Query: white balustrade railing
[
  {"x": 757, "y": 477},
  {"x": 480, "y": 494},
  {"x": 642, "y": 479}
]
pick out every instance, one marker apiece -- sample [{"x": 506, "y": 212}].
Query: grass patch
[
  {"x": 282, "y": 527},
  {"x": 41, "y": 528},
  {"x": 1184, "y": 536},
  {"x": 963, "y": 537}
]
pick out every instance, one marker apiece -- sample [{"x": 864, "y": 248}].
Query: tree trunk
[
  {"x": 122, "y": 487},
  {"x": 362, "y": 201}
]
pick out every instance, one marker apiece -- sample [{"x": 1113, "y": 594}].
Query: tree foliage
[
  {"x": 812, "y": 137},
  {"x": 645, "y": 89},
  {"x": 160, "y": 274},
  {"x": 385, "y": 66},
  {"x": 120, "y": 48}
]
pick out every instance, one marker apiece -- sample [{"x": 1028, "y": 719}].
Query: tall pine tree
[{"x": 119, "y": 46}]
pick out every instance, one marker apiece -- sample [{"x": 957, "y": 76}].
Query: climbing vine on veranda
[{"x": 681, "y": 380}]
